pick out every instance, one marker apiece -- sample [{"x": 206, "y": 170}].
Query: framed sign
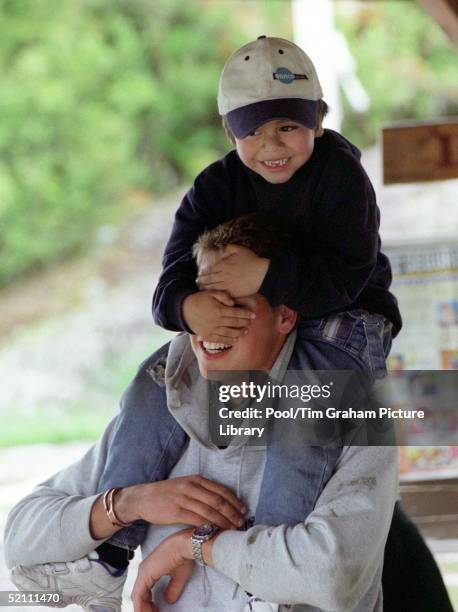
[{"x": 414, "y": 153}]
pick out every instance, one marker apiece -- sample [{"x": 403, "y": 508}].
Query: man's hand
[
  {"x": 173, "y": 557},
  {"x": 240, "y": 272},
  {"x": 214, "y": 316},
  {"x": 189, "y": 500}
]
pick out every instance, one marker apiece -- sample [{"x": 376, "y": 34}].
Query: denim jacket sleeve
[
  {"x": 331, "y": 559},
  {"x": 52, "y": 522}
]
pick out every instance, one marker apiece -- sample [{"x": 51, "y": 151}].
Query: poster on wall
[{"x": 425, "y": 282}]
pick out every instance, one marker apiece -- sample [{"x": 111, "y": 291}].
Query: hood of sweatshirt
[{"x": 188, "y": 397}]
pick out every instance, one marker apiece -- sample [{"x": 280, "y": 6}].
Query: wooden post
[{"x": 445, "y": 12}]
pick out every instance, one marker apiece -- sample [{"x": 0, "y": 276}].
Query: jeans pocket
[
  {"x": 346, "y": 329},
  {"x": 378, "y": 334},
  {"x": 363, "y": 335}
]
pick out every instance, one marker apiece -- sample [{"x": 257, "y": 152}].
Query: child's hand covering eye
[
  {"x": 213, "y": 316},
  {"x": 240, "y": 272}
]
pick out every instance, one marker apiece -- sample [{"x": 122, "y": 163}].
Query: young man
[{"x": 317, "y": 519}]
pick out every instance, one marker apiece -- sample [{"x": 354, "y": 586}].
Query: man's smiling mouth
[{"x": 214, "y": 348}]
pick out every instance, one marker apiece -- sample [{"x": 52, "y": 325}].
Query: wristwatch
[{"x": 202, "y": 534}]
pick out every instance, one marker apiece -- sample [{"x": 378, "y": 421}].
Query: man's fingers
[
  {"x": 141, "y": 596},
  {"x": 187, "y": 517},
  {"x": 180, "y": 577},
  {"x": 221, "y": 490},
  {"x": 225, "y": 517}
]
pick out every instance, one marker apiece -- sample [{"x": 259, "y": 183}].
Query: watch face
[{"x": 204, "y": 530}]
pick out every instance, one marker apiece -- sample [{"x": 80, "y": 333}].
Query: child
[{"x": 286, "y": 165}]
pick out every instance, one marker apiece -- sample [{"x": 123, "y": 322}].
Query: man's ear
[{"x": 286, "y": 319}]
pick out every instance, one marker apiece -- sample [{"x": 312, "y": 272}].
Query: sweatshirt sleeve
[
  {"x": 335, "y": 267},
  {"x": 201, "y": 209},
  {"x": 52, "y": 523},
  {"x": 331, "y": 559}
]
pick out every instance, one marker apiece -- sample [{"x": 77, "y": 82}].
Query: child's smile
[{"x": 277, "y": 149}]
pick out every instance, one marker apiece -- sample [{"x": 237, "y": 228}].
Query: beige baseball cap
[{"x": 269, "y": 78}]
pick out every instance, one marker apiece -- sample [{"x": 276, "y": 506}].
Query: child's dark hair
[{"x": 322, "y": 111}]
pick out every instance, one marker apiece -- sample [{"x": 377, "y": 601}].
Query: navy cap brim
[{"x": 244, "y": 120}]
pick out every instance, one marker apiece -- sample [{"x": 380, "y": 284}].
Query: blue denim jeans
[{"x": 353, "y": 340}]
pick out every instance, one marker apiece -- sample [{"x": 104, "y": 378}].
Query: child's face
[{"x": 276, "y": 149}]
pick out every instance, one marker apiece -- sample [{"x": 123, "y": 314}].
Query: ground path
[{"x": 21, "y": 468}]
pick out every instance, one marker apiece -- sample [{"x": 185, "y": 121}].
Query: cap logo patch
[{"x": 286, "y": 76}]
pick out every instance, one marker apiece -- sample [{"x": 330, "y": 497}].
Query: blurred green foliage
[
  {"x": 404, "y": 60},
  {"x": 103, "y": 100},
  {"x": 94, "y": 403},
  {"x": 99, "y": 99}
]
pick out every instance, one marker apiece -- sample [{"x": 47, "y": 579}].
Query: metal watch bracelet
[{"x": 202, "y": 534}]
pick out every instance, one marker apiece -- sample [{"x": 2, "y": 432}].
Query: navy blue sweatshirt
[{"x": 334, "y": 263}]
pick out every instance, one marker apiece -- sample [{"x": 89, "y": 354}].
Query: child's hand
[
  {"x": 240, "y": 272},
  {"x": 214, "y": 316}
]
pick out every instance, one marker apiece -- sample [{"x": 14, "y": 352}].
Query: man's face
[
  {"x": 276, "y": 149},
  {"x": 256, "y": 350}
]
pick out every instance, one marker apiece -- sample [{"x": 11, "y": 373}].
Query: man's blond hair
[{"x": 262, "y": 234}]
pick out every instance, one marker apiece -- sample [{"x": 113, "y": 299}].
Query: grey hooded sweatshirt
[{"x": 332, "y": 561}]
